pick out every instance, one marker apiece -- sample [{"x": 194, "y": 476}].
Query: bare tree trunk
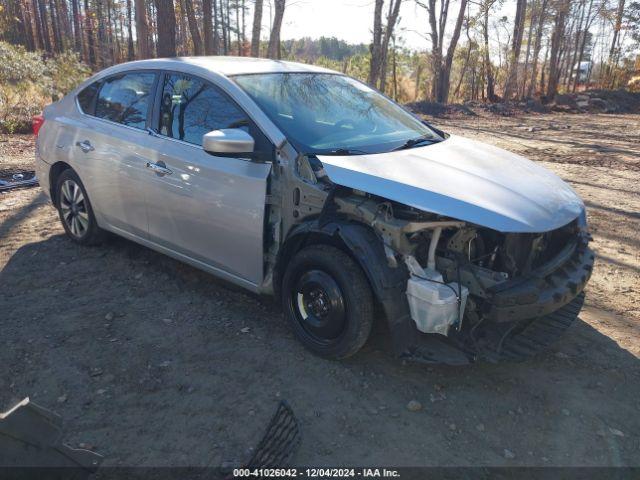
[
  {"x": 392, "y": 17},
  {"x": 101, "y": 42},
  {"x": 193, "y": 28},
  {"x": 491, "y": 94},
  {"x": 536, "y": 47},
  {"x": 120, "y": 54},
  {"x": 45, "y": 26},
  {"x": 436, "y": 46},
  {"x": 528, "y": 53},
  {"x": 456, "y": 92},
  {"x": 166, "y": 21},
  {"x": 223, "y": 28},
  {"x": 65, "y": 25},
  {"x": 40, "y": 43},
  {"x": 228, "y": 20},
  {"x": 238, "y": 32},
  {"x": 216, "y": 29},
  {"x": 27, "y": 26},
  {"x": 57, "y": 42},
  {"x": 142, "y": 30},
  {"x": 207, "y": 25},
  {"x": 442, "y": 93},
  {"x": 564, "y": 54},
  {"x": 109, "y": 43},
  {"x": 376, "y": 45},
  {"x": 574, "y": 54},
  {"x": 91, "y": 52},
  {"x": 77, "y": 34},
  {"x": 244, "y": 26},
  {"x": 152, "y": 17},
  {"x": 583, "y": 45},
  {"x": 556, "y": 40},
  {"x": 274, "y": 39},
  {"x": 130, "y": 50},
  {"x": 255, "y": 33},
  {"x": 614, "y": 40},
  {"x": 516, "y": 46}
]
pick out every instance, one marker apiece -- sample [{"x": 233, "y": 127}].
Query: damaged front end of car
[
  {"x": 488, "y": 294},
  {"x": 454, "y": 290}
]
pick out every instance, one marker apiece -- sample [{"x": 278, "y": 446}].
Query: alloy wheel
[{"x": 74, "y": 208}]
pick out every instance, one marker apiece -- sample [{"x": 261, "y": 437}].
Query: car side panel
[
  {"x": 114, "y": 173},
  {"x": 210, "y": 208}
]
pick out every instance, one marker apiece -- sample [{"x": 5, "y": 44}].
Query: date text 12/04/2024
[{"x": 316, "y": 473}]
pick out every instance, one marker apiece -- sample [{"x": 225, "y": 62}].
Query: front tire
[
  {"x": 328, "y": 301},
  {"x": 74, "y": 210}
]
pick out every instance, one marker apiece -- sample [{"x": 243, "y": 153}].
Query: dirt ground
[{"x": 151, "y": 362}]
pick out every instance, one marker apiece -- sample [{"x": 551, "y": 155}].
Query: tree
[
  {"x": 91, "y": 52},
  {"x": 209, "y": 46},
  {"x": 542, "y": 14},
  {"x": 376, "y": 45},
  {"x": 273, "y": 51},
  {"x": 518, "y": 30},
  {"x": 583, "y": 43},
  {"x": 614, "y": 40},
  {"x": 77, "y": 33},
  {"x": 441, "y": 65},
  {"x": 142, "y": 30},
  {"x": 130, "y": 50},
  {"x": 166, "y": 21},
  {"x": 255, "y": 33},
  {"x": 380, "y": 47},
  {"x": 198, "y": 47},
  {"x": 562, "y": 8}
]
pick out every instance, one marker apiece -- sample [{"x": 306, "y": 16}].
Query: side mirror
[{"x": 228, "y": 142}]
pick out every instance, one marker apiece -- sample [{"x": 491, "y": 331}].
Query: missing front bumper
[{"x": 545, "y": 290}]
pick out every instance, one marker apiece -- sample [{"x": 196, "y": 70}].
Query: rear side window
[
  {"x": 86, "y": 98},
  {"x": 126, "y": 98},
  {"x": 191, "y": 107}
]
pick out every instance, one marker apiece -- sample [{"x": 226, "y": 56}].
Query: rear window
[
  {"x": 126, "y": 98},
  {"x": 86, "y": 98}
]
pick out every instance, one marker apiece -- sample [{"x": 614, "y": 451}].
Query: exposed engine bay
[{"x": 473, "y": 286}]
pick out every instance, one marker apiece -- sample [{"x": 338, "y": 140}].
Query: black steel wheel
[
  {"x": 75, "y": 210},
  {"x": 328, "y": 301}
]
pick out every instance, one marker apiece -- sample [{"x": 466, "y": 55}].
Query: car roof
[{"x": 228, "y": 65}]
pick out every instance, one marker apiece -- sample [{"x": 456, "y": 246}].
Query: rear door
[
  {"x": 206, "y": 207},
  {"x": 111, "y": 150}
]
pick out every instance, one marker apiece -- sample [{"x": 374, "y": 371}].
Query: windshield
[{"x": 330, "y": 113}]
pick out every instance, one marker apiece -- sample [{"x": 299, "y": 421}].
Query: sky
[{"x": 352, "y": 20}]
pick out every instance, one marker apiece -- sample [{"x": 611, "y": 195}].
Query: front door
[{"x": 206, "y": 207}]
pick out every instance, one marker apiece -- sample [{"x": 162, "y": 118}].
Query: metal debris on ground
[
  {"x": 18, "y": 180},
  {"x": 280, "y": 442},
  {"x": 31, "y": 438}
]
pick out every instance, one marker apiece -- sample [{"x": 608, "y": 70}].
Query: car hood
[{"x": 465, "y": 180}]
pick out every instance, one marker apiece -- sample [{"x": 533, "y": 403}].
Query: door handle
[
  {"x": 159, "y": 169},
  {"x": 85, "y": 146}
]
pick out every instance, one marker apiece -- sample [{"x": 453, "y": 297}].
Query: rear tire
[
  {"x": 328, "y": 301},
  {"x": 75, "y": 211}
]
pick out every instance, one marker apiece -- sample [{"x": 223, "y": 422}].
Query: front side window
[
  {"x": 126, "y": 98},
  {"x": 190, "y": 107},
  {"x": 328, "y": 113}
]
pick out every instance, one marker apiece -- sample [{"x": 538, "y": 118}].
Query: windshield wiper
[
  {"x": 412, "y": 142},
  {"x": 346, "y": 151}
]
